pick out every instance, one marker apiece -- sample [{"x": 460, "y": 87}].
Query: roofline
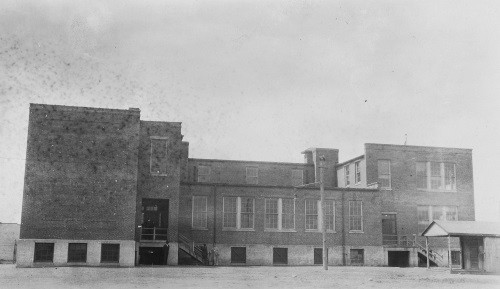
[
  {"x": 277, "y": 187},
  {"x": 414, "y": 146},
  {"x": 349, "y": 161},
  {"x": 252, "y": 162},
  {"x": 315, "y": 149},
  {"x": 83, "y": 108},
  {"x": 456, "y": 234}
]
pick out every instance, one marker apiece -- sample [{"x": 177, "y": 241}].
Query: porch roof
[{"x": 462, "y": 228}]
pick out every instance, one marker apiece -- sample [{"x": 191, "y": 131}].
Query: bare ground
[{"x": 239, "y": 277}]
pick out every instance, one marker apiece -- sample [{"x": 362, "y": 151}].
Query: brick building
[{"x": 103, "y": 187}]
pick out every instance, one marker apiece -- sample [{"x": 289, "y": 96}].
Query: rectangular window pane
[
  {"x": 203, "y": 173},
  {"x": 77, "y": 252},
  {"x": 436, "y": 176},
  {"x": 357, "y": 172},
  {"x": 44, "y": 252},
  {"x": 271, "y": 213},
  {"x": 311, "y": 214},
  {"x": 200, "y": 212},
  {"x": 384, "y": 174},
  {"x": 288, "y": 214},
  {"x": 252, "y": 175},
  {"x": 246, "y": 213},
  {"x": 451, "y": 213},
  {"x": 330, "y": 215},
  {"x": 229, "y": 208},
  {"x": 355, "y": 216},
  {"x": 422, "y": 175},
  {"x": 449, "y": 177},
  {"x": 280, "y": 255},
  {"x": 158, "y": 156},
  {"x": 110, "y": 253},
  {"x": 347, "y": 175},
  {"x": 437, "y": 213},
  {"x": 239, "y": 255}
]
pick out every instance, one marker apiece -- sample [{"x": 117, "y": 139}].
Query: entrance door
[
  {"x": 154, "y": 219},
  {"x": 389, "y": 232},
  {"x": 473, "y": 253}
]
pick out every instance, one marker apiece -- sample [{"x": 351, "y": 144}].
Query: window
[
  {"x": 252, "y": 175},
  {"x": 203, "y": 174},
  {"x": 347, "y": 176},
  {"x": 199, "y": 212},
  {"x": 330, "y": 215},
  {"x": 110, "y": 253},
  {"x": 384, "y": 174},
  {"x": 280, "y": 214},
  {"x": 77, "y": 252},
  {"x": 455, "y": 258},
  {"x": 311, "y": 214},
  {"x": 297, "y": 177},
  {"x": 357, "y": 172},
  {"x": 436, "y": 176},
  {"x": 280, "y": 256},
  {"x": 357, "y": 256},
  {"x": 44, "y": 252},
  {"x": 238, "y": 213},
  {"x": 238, "y": 255},
  {"x": 427, "y": 214},
  {"x": 355, "y": 216},
  {"x": 318, "y": 256},
  {"x": 158, "y": 158}
]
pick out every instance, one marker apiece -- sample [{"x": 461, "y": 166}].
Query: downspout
[
  {"x": 214, "y": 188},
  {"x": 343, "y": 229}
]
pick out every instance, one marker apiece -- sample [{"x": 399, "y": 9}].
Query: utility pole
[{"x": 322, "y": 192}]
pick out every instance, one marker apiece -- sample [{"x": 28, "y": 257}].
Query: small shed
[{"x": 479, "y": 243}]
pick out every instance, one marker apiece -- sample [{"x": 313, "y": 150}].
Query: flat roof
[{"x": 462, "y": 228}]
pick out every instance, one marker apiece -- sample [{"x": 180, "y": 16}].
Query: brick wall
[{"x": 81, "y": 173}]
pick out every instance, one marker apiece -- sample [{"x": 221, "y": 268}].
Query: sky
[{"x": 262, "y": 80}]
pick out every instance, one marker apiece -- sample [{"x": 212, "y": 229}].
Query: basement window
[
  {"x": 110, "y": 253},
  {"x": 77, "y": 252},
  {"x": 238, "y": 255},
  {"x": 44, "y": 252}
]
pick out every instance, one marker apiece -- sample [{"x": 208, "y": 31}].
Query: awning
[{"x": 462, "y": 228}]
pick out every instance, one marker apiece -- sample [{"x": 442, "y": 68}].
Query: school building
[{"x": 104, "y": 188}]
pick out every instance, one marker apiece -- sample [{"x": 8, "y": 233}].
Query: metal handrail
[
  {"x": 154, "y": 234},
  {"x": 189, "y": 246}
]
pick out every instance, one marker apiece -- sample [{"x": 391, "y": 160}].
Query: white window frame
[
  {"x": 357, "y": 172},
  {"x": 384, "y": 176},
  {"x": 205, "y": 227},
  {"x": 280, "y": 215},
  {"x": 238, "y": 215},
  {"x": 442, "y": 176},
  {"x": 151, "y": 155},
  {"x": 252, "y": 179},
  {"x": 320, "y": 216},
  {"x": 295, "y": 177},
  {"x": 347, "y": 175},
  {"x": 207, "y": 174},
  {"x": 360, "y": 216}
]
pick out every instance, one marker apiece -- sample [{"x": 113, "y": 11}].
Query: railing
[
  {"x": 188, "y": 246},
  {"x": 434, "y": 256},
  {"x": 154, "y": 234},
  {"x": 399, "y": 240}
]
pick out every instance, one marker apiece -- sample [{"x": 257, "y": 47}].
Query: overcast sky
[{"x": 262, "y": 80}]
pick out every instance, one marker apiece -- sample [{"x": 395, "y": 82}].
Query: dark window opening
[
  {"x": 318, "y": 255},
  {"x": 110, "y": 253},
  {"x": 77, "y": 252},
  {"x": 280, "y": 255},
  {"x": 455, "y": 258},
  {"x": 357, "y": 256},
  {"x": 239, "y": 255},
  {"x": 44, "y": 252}
]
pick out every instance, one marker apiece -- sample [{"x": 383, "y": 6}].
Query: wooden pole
[
  {"x": 427, "y": 250},
  {"x": 323, "y": 226},
  {"x": 449, "y": 252}
]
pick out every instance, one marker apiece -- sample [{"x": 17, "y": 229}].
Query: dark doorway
[
  {"x": 154, "y": 219},
  {"x": 389, "y": 233},
  {"x": 280, "y": 256},
  {"x": 152, "y": 256},
  {"x": 399, "y": 258},
  {"x": 318, "y": 256},
  {"x": 473, "y": 253},
  {"x": 238, "y": 255}
]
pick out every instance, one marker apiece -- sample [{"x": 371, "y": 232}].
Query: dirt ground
[{"x": 239, "y": 277}]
